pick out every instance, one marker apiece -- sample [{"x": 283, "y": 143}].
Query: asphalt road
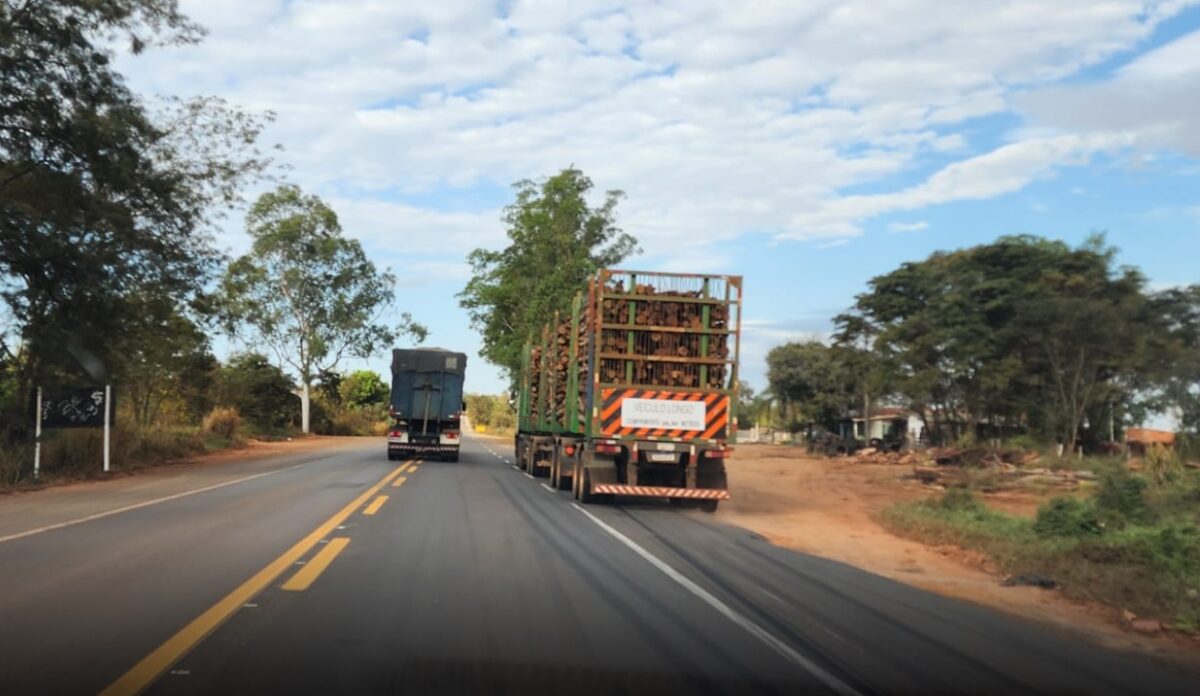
[{"x": 293, "y": 576}]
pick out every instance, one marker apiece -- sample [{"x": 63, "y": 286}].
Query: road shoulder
[
  {"x": 26, "y": 512},
  {"x": 829, "y": 508}
]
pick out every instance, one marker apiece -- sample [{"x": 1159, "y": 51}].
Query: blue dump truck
[{"x": 427, "y": 403}]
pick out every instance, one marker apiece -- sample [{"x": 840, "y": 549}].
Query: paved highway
[{"x": 338, "y": 571}]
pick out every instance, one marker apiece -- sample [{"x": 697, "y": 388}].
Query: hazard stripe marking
[{"x": 661, "y": 492}]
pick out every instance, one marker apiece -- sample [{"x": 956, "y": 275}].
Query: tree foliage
[
  {"x": 260, "y": 392},
  {"x": 557, "y": 240},
  {"x": 104, "y": 200},
  {"x": 306, "y": 291},
  {"x": 363, "y": 389},
  {"x": 1023, "y": 333},
  {"x": 817, "y": 382}
]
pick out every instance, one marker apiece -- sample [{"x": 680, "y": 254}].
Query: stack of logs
[
  {"x": 535, "y": 364},
  {"x": 662, "y": 312}
]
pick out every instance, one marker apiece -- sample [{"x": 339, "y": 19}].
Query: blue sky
[{"x": 806, "y": 145}]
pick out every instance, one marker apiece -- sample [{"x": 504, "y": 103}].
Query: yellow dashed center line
[
  {"x": 375, "y": 505},
  {"x": 399, "y": 481},
  {"x": 413, "y": 470},
  {"x": 313, "y": 569},
  {"x": 150, "y": 667}
]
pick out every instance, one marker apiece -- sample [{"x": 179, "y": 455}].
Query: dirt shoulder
[{"x": 829, "y": 508}]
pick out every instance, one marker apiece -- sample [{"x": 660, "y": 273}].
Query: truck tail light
[
  {"x": 450, "y": 435},
  {"x": 608, "y": 449},
  {"x": 394, "y": 433},
  {"x": 715, "y": 454},
  {"x": 570, "y": 450}
]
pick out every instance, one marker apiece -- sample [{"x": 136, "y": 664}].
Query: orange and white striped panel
[
  {"x": 711, "y": 425},
  {"x": 661, "y": 492}
]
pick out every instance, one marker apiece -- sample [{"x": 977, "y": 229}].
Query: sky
[{"x": 807, "y": 145}]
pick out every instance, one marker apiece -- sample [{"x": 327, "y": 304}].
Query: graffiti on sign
[{"x": 75, "y": 408}]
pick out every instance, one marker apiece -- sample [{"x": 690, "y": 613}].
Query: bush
[
  {"x": 1026, "y": 443},
  {"x": 260, "y": 391},
  {"x": 224, "y": 422},
  {"x": 1067, "y": 517},
  {"x": 357, "y": 422},
  {"x": 960, "y": 499},
  {"x": 1162, "y": 463},
  {"x": 1121, "y": 497}
]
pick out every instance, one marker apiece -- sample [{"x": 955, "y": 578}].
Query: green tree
[
  {"x": 308, "y": 292},
  {"x": 1023, "y": 332},
  {"x": 261, "y": 392},
  {"x": 816, "y": 382},
  {"x": 363, "y": 389},
  {"x": 556, "y": 242},
  {"x": 104, "y": 200},
  {"x": 165, "y": 358}
]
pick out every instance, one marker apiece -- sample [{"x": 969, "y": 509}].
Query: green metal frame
[{"x": 732, "y": 298}]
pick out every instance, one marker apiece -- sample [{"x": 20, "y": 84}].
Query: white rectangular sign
[{"x": 659, "y": 413}]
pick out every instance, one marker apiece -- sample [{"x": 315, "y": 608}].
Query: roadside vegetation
[
  {"x": 110, "y": 273},
  {"x": 492, "y": 412},
  {"x": 1015, "y": 368},
  {"x": 1131, "y": 541}
]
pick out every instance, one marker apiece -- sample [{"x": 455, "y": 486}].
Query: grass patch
[
  {"x": 79, "y": 454},
  {"x": 1128, "y": 545}
]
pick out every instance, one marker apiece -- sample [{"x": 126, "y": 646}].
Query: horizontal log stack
[{"x": 659, "y": 311}]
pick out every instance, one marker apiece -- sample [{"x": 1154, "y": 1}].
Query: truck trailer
[
  {"x": 426, "y": 404},
  {"x": 634, "y": 392}
]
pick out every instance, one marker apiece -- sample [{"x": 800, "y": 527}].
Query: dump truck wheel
[{"x": 707, "y": 505}]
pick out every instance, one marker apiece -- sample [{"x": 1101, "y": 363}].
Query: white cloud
[
  {"x": 716, "y": 118},
  {"x": 1003, "y": 170},
  {"x": 897, "y": 227},
  {"x": 1156, "y": 95}
]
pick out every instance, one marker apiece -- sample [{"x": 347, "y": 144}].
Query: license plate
[
  {"x": 666, "y": 446},
  {"x": 662, "y": 456}
]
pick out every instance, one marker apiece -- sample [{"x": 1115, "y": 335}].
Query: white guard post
[
  {"x": 107, "y": 412},
  {"x": 37, "y": 435}
]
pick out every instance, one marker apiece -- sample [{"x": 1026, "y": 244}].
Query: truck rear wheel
[{"x": 555, "y": 470}]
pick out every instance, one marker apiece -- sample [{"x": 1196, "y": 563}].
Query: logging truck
[
  {"x": 634, "y": 392},
  {"x": 426, "y": 403}
]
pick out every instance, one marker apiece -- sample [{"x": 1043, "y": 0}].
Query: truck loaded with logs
[{"x": 633, "y": 393}]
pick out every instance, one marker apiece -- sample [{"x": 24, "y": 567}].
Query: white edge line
[
  {"x": 547, "y": 488},
  {"x": 529, "y": 475},
  {"x": 145, "y": 503},
  {"x": 725, "y": 610},
  {"x": 516, "y": 467}
]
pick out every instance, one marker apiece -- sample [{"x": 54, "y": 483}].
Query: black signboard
[{"x": 75, "y": 408}]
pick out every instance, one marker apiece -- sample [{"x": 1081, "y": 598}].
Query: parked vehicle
[
  {"x": 426, "y": 404},
  {"x": 634, "y": 393}
]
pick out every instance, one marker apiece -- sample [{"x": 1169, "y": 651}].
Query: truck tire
[
  {"x": 560, "y": 484},
  {"x": 709, "y": 506},
  {"x": 585, "y": 489},
  {"x": 576, "y": 476},
  {"x": 555, "y": 470}
]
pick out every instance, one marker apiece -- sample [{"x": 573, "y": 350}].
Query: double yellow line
[{"x": 153, "y": 665}]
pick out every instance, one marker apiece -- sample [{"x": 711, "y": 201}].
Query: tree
[
  {"x": 260, "y": 391},
  {"x": 815, "y": 380},
  {"x": 308, "y": 292},
  {"x": 103, "y": 200},
  {"x": 1022, "y": 333},
  {"x": 164, "y": 360},
  {"x": 363, "y": 389},
  {"x": 556, "y": 242}
]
